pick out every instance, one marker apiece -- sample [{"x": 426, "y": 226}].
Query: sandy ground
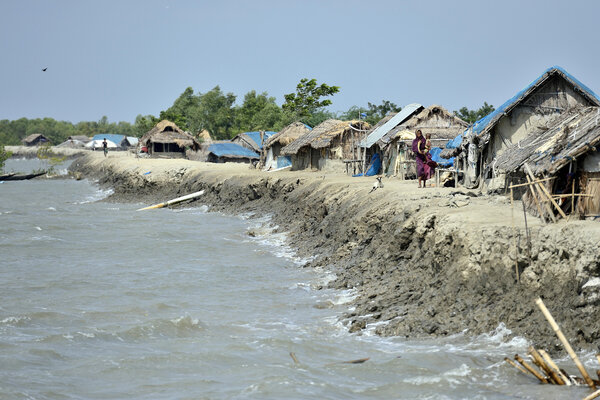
[{"x": 433, "y": 261}]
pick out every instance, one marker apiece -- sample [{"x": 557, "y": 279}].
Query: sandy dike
[{"x": 423, "y": 261}]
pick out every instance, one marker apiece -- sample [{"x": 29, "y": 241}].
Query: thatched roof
[
  {"x": 435, "y": 119},
  {"x": 549, "y": 149},
  {"x": 288, "y": 134},
  {"x": 167, "y": 132},
  {"x": 483, "y": 127},
  {"x": 323, "y": 134},
  {"x": 205, "y": 136},
  {"x": 81, "y": 138},
  {"x": 35, "y": 137}
]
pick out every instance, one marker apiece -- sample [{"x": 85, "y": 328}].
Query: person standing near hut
[
  {"x": 418, "y": 147},
  {"x": 105, "y": 147}
]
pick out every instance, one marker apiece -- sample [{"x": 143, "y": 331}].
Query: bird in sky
[{"x": 44, "y": 69}]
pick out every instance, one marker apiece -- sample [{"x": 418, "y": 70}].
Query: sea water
[{"x": 100, "y": 301}]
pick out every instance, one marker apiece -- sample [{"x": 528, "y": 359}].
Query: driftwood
[
  {"x": 293, "y": 355},
  {"x": 24, "y": 177},
  {"x": 174, "y": 201},
  {"x": 530, "y": 368}
]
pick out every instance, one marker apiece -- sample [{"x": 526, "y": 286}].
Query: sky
[{"x": 123, "y": 58}]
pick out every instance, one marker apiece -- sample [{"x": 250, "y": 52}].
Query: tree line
[{"x": 218, "y": 113}]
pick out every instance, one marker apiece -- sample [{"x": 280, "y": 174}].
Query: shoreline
[{"x": 423, "y": 262}]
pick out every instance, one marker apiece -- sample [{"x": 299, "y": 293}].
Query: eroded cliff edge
[{"x": 422, "y": 261}]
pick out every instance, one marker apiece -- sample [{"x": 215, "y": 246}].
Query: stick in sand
[
  {"x": 565, "y": 342},
  {"x": 174, "y": 201}
]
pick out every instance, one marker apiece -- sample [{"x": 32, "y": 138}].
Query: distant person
[
  {"x": 105, "y": 147},
  {"x": 418, "y": 147}
]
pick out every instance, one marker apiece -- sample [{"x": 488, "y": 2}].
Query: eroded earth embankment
[{"x": 422, "y": 261}]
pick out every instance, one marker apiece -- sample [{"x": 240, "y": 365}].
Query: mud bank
[{"x": 422, "y": 262}]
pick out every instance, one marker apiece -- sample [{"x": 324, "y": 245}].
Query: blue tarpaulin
[
  {"x": 255, "y": 137},
  {"x": 284, "y": 161},
  {"x": 442, "y": 162},
  {"x": 455, "y": 143},
  {"x": 374, "y": 166},
  {"x": 231, "y": 149},
  {"x": 116, "y": 139}
]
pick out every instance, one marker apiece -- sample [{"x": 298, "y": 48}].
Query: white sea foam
[{"x": 100, "y": 194}]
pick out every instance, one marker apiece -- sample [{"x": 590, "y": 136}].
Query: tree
[
  {"x": 215, "y": 113},
  {"x": 471, "y": 116},
  {"x": 4, "y": 155},
  {"x": 305, "y": 101},
  {"x": 258, "y": 112}
]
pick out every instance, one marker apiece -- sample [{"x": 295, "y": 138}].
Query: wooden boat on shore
[{"x": 20, "y": 177}]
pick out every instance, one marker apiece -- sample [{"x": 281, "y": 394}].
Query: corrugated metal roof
[
  {"x": 231, "y": 150},
  {"x": 397, "y": 119}
]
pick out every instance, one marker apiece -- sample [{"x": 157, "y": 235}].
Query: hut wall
[
  {"x": 590, "y": 185},
  {"x": 301, "y": 160},
  {"x": 549, "y": 100}
]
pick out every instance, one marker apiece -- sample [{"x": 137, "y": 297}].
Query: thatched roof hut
[
  {"x": 253, "y": 140},
  {"x": 166, "y": 137},
  {"x": 288, "y": 134},
  {"x": 35, "y": 139},
  {"x": 204, "y": 136},
  {"x": 435, "y": 120},
  {"x": 323, "y": 135}
]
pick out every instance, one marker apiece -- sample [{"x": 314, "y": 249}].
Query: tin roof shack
[
  {"x": 35, "y": 139},
  {"x": 396, "y": 144},
  {"x": 326, "y": 146},
  {"x": 567, "y": 151},
  {"x": 253, "y": 140},
  {"x": 167, "y": 140},
  {"x": 551, "y": 94},
  {"x": 271, "y": 157},
  {"x": 225, "y": 151}
]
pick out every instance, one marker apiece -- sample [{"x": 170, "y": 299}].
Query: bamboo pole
[
  {"x": 536, "y": 201},
  {"x": 573, "y": 193},
  {"x": 565, "y": 342},
  {"x": 548, "y": 195},
  {"x": 527, "y": 234},
  {"x": 540, "y": 362},
  {"x": 553, "y": 365},
  {"x": 530, "y": 183},
  {"x": 536, "y": 192},
  {"x": 529, "y": 368},
  {"x": 562, "y": 196},
  {"x": 598, "y": 357},
  {"x": 512, "y": 214},
  {"x": 593, "y": 395},
  {"x": 174, "y": 201},
  {"x": 294, "y": 358},
  {"x": 517, "y": 366}
]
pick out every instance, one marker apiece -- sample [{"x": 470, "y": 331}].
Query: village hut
[
  {"x": 81, "y": 138},
  {"x": 396, "y": 144},
  {"x": 567, "y": 150},
  {"x": 167, "y": 140},
  {"x": 204, "y": 136},
  {"x": 253, "y": 140},
  {"x": 35, "y": 139},
  {"x": 326, "y": 146},
  {"x": 553, "y": 93},
  {"x": 271, "y": 157},
  {"x": 226, "y": 151}
]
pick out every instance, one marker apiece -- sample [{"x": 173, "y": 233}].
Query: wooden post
[
  {"x": 565, "y": 343},
  {"x": 529, "y": 368},
  {"x": 512, "y": 213},
  {"x": 536, "y": 191},
  {"x": 553, "y": 365},
  {"x": 527, "y": 233},
  {"x": 539, "y": 361},
  {"x": 573, "y": 197},
  {"x": 598, "y": 357},
  {"x": 548, "y": 195}
]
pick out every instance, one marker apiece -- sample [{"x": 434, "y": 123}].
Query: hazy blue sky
[{"x": 124, "y": 58}]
